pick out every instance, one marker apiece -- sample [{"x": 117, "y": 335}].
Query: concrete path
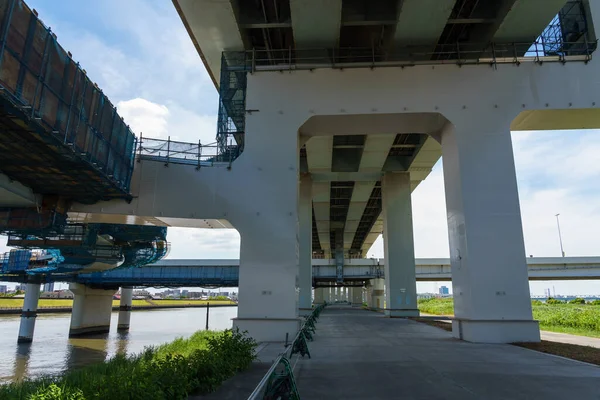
[
  {"x": 546, "y": 335},
  {"x": 571, "y": 339},
  {"x": 363, "y": 355}
]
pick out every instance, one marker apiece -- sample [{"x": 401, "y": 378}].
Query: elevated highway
[{"x": 225, "y": 273}]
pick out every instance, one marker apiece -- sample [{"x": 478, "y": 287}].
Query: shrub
[
  {"x": 577, "y": 300},
  {"x": 554, "y": 301},
  {"x": 595, "y": 303},
  {"x": 536, "y": 302},
  {"x": 172, "y": 371}
]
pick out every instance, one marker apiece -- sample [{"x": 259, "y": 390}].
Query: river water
[{"x": 53, "y": 352}]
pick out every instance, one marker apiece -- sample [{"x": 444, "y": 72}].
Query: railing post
[
  {"x": 199, "y": 153},
  {"x": 140, "y": 147},
  {"x": 168, "y": 150}
]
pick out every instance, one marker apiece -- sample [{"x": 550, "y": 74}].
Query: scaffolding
[
  {"x": 567, "y": 34},
  {"x": 231, "y": 120},
  {"x": 59, "y": 133}
]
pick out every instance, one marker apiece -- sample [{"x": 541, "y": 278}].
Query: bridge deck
[{"x": 362, "y": 355}]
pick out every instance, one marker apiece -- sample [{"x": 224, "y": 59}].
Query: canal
[{"x": 53, "y": 352}]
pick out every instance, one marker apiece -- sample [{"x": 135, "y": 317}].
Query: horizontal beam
[{"x": 226, "y": 272}]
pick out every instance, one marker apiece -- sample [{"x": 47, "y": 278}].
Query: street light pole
[{"x": 562, "y": 251}]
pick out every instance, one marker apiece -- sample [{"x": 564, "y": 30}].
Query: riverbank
[
  {"x": 576, "y": 319},
  {"x": 15, "y": 306},
  {"x": 198, "y": 364}
]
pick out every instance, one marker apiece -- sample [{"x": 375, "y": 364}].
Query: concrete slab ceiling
[
  {"x": 213, "y": 28},
  {"x": 421, "y": 22},
  {"x": 526, "y": 20},
  {"x": 316, "y": 23}
]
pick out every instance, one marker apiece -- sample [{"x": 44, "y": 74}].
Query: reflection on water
[{"x": 53, "y": 352}]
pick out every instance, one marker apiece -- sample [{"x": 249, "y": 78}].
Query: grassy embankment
[
  {"x": 170, "y": 371},
  {"x": 576, "y": 319},
  {"x": 44, "y": 303}
]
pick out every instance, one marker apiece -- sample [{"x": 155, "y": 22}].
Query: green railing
[{"x": 279, "y": 382}]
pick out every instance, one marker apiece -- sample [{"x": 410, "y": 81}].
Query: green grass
[
  {"x": 576, "y": 319},
  {"x": 174, "y": 370},
  {"x": 189, "y": 302},
  {"x": 44, "y": 303}
]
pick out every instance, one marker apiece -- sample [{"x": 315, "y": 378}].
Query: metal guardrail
[
  {"x": 453, "y": 53},
  {"x": 174, "y": 152},
  {"x": 279, "y": 382}
]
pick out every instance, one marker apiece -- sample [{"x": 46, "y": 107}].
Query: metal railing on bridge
[
  {"x": 175, "y": 152},
  {"x": 279, "y": 381}
]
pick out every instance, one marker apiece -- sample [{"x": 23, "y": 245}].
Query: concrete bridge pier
[
  {"x": 377, "y": 292},
  {"x": 91, "y": 310},
  {"x": 30, "y": 305},
  {"x": 125, "y": 309},
  {"x": 319, "y": 295},
  {"x": 327, "y": 294},
  {"x": 305, "y": 245},
  {"x": 400, "y": 275},
  {"x": 489, "y": 273},
  {"x": 356, "y": 296}
]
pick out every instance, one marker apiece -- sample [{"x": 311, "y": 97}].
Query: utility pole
[{"x": 562, "y": 251}]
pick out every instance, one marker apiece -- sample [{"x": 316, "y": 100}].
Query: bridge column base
[
  {"x": 401, "y": 313},
  {"x": 125, "y": 309},
  {"x": 269, "y": 329},
  {"x": 30, "y": 305},
  {"x": 91, "y": 310},
  {"x": 496, "y": 331},
  {"x": 356, "y": 295},
  {"x": 304, "y": 311}
]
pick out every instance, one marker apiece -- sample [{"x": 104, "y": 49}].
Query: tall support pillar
[
  {"x": 377, "y": 293},
  {"x": 125, "y": 309},
  {"x": 327, "y": 294},
  {"x": 489, "y": 272},
  {"x": 356, "y": 296},
  {"x": 319, "y": 295},
  {"x": 268, "y": 222},
  {"x": 305, "y": 245},
  {"x": 30, "y": 305},
  {"x": 399, "y": 249},
  {"x": 91, "y": 310},
  {"x": 369, "y": 293}
]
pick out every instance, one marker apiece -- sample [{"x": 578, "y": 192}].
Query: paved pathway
[
  {"x": 546, "y": 335},
  {"x": 571, "y": 339},
  {"x": 362, "y": 355}
]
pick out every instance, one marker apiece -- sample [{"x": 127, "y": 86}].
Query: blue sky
[{"x": 141, "y": 56}]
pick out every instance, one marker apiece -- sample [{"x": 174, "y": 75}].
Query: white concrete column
[
  {"x": 305, "y": 244},
  {"x": 91, "y": 310},
  {"x": 489, "y": 272},
  {"x": 356, "y": 296},
  {"x": 377, "y": 292},
  {"x": 369, "y": 293},
  {"x": 319, "y": 295},
  {"x": 267, "y": 221},
  {"x": 125, "y": 309},
  {"x": 398, "y": 245},
  {"x": 30, "y": 305},
  {"x": 327, "y": 294}
]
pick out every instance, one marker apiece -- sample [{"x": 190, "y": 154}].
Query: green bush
[
  {"x": 554, "y": 301},
  {"x": 172, "y": 371},
  {"x": 595, "y": 303},
  {"x": 536, "y": 302},
  {"x": 577, "y": 300}
]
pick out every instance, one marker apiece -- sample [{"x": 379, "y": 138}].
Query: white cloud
[{"x": 145, "y": 117}]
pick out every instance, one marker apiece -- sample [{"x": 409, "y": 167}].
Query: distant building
[
  {"x": 184, "y": 293},
  {"x": 3, "y": 289},
  {"x": 49, "y": 287},
  {"x": 444, "y": 291}
]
